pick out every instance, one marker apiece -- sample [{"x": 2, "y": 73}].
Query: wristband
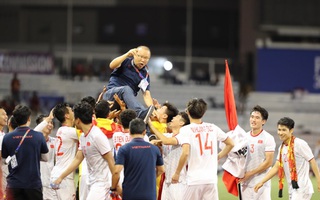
[{"x": 113, "y": 189}]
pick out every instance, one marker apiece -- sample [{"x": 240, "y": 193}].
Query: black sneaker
[{"x": 149, "y": 113}]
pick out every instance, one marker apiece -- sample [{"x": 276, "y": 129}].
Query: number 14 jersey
[{"x": 203, "y": 155}]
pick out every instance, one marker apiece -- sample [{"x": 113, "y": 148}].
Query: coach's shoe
[{"x": 148, "y": 114}]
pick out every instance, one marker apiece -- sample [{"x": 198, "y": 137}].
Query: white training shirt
[
  {"x": 303, "y": 154},
  {"x": 93, "y": 146},
  {"x": 65, "y": 150},
  {"x": 46, "y": 167},
  {"x": 203, "y": 157},
  {"x": 258, "y": 145}
]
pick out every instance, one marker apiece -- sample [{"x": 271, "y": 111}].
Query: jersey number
[
  {"x": 251, "y": 148},
  {"x": 207, "y": 144},
  {"x": 59, "y": 146}
]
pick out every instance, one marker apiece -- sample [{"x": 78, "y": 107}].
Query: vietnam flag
[
  {"x": 229, "y": 102},
  {"x": 230, "y": 181}
]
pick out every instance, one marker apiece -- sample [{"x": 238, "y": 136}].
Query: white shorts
[
  {"x": 99, "y": 190},
  {"x": 299, "y": 195},
  {"x": 173, "y": 191},
  {"x": 49, "y": 193},
  {"x": 67, "y": 190},
  {"x": 248, "y": 193},
  {"x": 203, "y": 192},
  {"x": 83, "y": 187}
]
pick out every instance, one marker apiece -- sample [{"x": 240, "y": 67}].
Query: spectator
[
  {"x": 34, "y": 102},
  {"x": 15, "y": 89}
]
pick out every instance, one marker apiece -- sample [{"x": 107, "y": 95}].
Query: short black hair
[
  {"x": 102, "y": 109},
  {"x": 137, "y": 126},
  {"x": 12, "y": 122},
  {"x": 286, "y": 121},
  {"x": 264, "y": 113},
  {"x": 60, "y": 110},
  {"x": 40, "y": 118},
  {"x": 185, "y": 118},
  {"x": 196, "y": 108},
  {"x": 83, "y": 111},
  {"x": 126, "y": 117},
  {"x": 90, "y": 100},
  {"x": 21, "y": 114},
  {"x": 171, "y": 111}
]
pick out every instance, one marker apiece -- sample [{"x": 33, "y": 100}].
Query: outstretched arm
[
  {"x": 102, "y": 93},
  {"x": 147, "y": 98},
  {"x": 164, "y": 139}
]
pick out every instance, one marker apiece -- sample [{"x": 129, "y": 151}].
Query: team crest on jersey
[
  {"x": 260, "y": 141},
  {"x": 51, "y": 146},
  {"x": 88, "y": 144}
]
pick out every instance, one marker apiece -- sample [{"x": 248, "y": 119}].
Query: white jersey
[
  {"x": 1, "y": 139},
  {"x": 46, "y": 167},
  {"x": 171, "y": 156},
  {"x": 65, "y": 150},
  {"x": 203, "y": 157},
  {"x": 93, "y": 146},
  {"x": 119, "y": 139},
  {"x": 303, "y": 154},
  {"x": 258, "y": 146}
]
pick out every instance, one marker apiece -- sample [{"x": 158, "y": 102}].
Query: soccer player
[
  {"x": 164, "y": 115},
  {"x": 199, "y": 150},
  {"x": 65, "y": 150},
  {"x": 107, "y": 126},
  {"x": 46, "y": 167},
  {"x": 261, "y": 147},
  {"x": 95, "y": 147},
  {"x": 171, "y": 155},
  {"x": 293, "y": 163}
]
